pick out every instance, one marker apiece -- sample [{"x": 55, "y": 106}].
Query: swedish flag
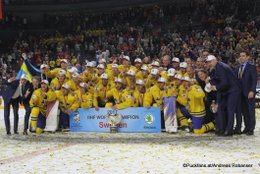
[
  {"x": 28, "y": 69},
  {"x": 24, "y": 70}
]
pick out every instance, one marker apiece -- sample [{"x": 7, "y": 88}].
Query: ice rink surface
[{"x": 127, "y": 152}]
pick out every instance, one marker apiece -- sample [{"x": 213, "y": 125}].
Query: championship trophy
[{"x": 113, "y": 119}]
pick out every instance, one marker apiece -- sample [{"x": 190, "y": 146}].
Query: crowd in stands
[{"x": 223, "y": 27}]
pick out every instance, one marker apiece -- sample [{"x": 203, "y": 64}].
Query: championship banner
[
  {"x": 170, "y": 117},
  {"x": 52, "y": 119},
  {"x": 133, "y": 120}
]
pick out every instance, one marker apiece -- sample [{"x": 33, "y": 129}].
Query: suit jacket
[
  {"x": 249, "y": 78},
  {"x": 28, "y": 86},
  {"x": 225, "y": 80},
  {"x": 10, "y": 89}
]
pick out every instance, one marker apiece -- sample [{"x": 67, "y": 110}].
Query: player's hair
[
  {"x": 201, "y": 70},
  {"x": 36, "y": 78},
  {"x": 244, "y": 51}
]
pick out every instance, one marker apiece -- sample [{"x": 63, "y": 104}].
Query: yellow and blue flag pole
[{"x": 24, "y": 70}]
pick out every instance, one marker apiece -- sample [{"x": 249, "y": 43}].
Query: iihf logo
[{"x": 76, "y": 117}]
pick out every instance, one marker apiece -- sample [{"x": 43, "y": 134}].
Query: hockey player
[
  {"x": 114, "y": 72},
  {"x": 38, "y": 103},
  {"x": 191, "y": 75},
  {"x": 142, "y": 97},
  {"x": 158, "y": 92},
  {"x": 89, "y": 75},
  {"x": 130, "y": 80},
  {"x": 183, "y": 69},
  {"x": 118, "y": 97},
  {"x": 138, "y": 64},
  {"x": 71, "y": 71},
  {"x": 100, "y": 90},
  {"x": 57, "y": 82},
  {"x": 55, "y": 72},
  {"x": 171, "y": 79},
  {"x": 68, "y": 102},
  {"x": 152, "y": 79},
  {"x": 126, "y": 66},
  {"x": 143, "y": 73},
  {"x": 85, "y": 96},
  {"x": 196, "y": 107},
  {"x": 175, "y": 63},
  {"x": 181, "y": 102},
  {"x": 74, "y": 82}
]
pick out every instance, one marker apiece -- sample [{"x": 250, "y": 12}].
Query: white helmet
[
  {"x": 62, "y": 72},
  {"x": 66, "y": 86},
  {"x": 144, "y": 67},
  {"x": 118, "y": 80},
  {"x": 176, "y": 59},
  {"x": 162, "y": 80},
  {"x": 186, "y": 78},
  {"x": 82, "y": 84},
  {"x": 104, "y": 76},
  {"x": 43, "y": 66},
  {"x": 154, "y": 71},
  {"x": 155, "y": 63},
  {"x": 211, "y": 57},
  {"x": 139, "y": 82},
  {"x": 90, "y": 64},
  {"x": 64, "y": 60},
  {"x": 24, "y": 76},
  {"x": 126, "y": 57},
  {"x": 114, "y": 65},
  {"x": 183, "y": 65},
  {"x": 74, "y": 75},
  {"x": 101, "y": 66},
  {"x": 138, "y": 60},
  {"x": 73, "y": 69},
  {"x": 178, "y": 76},
  {"x": 45, "y": 82},
  {"x": 131, "y": 72},
  {"x": 171, "y": 72}
]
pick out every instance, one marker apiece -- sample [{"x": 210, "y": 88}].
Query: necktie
[
  {"x": 22, "y": 92},
  {"x": 240, "y": 72}
]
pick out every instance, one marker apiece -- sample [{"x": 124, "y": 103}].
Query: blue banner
[{"x": 133, "y": 120}]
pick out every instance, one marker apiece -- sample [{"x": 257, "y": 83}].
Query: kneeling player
[
  {"x": 68, "y": 103},
  {"x": 118, "y": 97},
  {"x": 196, "y": 107},
  {"x": 38, "y": 103}
]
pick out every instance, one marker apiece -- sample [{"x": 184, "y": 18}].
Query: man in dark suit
[
  {"x": 11, "y": 96},
  {"x": 247, "y": 76},
  {"x": 26, "y": 93},
  {"x": 225, "y": 83}
]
